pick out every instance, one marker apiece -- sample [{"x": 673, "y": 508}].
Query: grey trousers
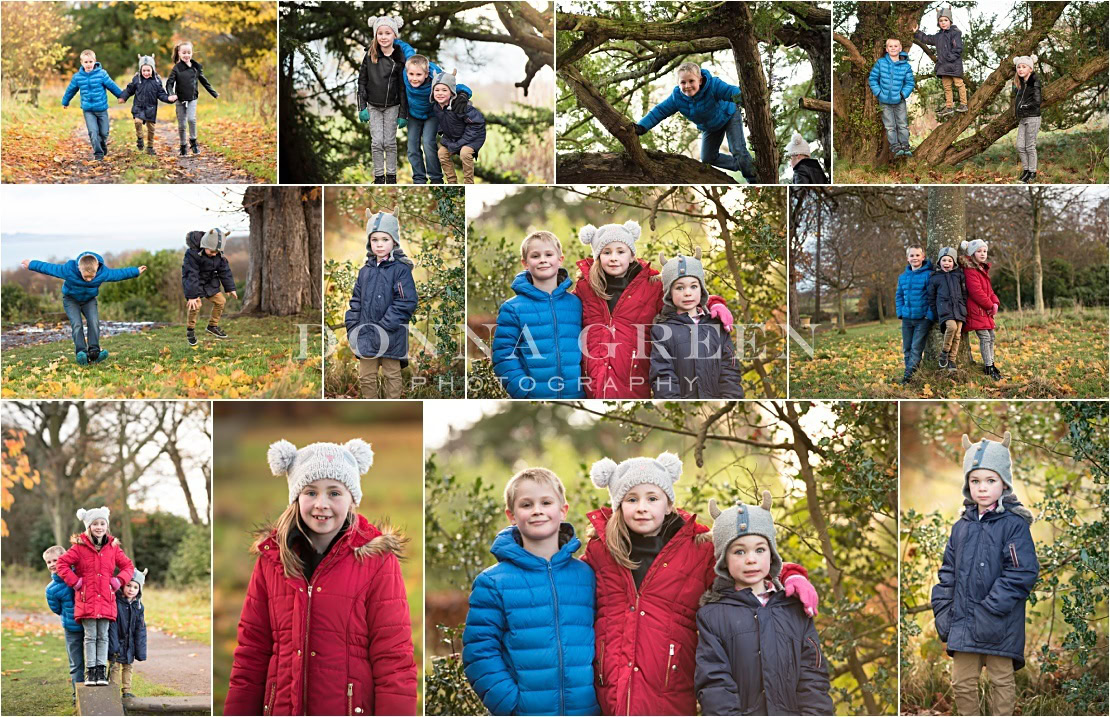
[
  {"x": 96, "y": 642},
  {"x": 986, "y": 345},
  {"x": 383, "y": 139},
  {"x": 1027, "y": 142},
  {"x": 186, "y": 111}
]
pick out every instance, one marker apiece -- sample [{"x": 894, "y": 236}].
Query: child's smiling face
[
  {"x": 893, "y": 48},
  {"x": 749, "y": 561},
  {"x": 644, "y": 508},
  {"x": 542, "y": 260},
  {"x": 416, "y": 75},
  {"x": 981, "y": 255},
  {"x": 185, "y": 52},
  {"x": 944, "y": 23},
  {"x": 52, "y": 563},
  {"x": 441, "y": 94},
  {"x": 381, "y": 244},
  {"x": 98, "y": 528},
  {"x": 615, "y": 258},
  {"x": 689, "y": 83},
  {"x": 915, "y": 256},
  {"x": 537, "y": 511},
  {"x": 146, "y": 71},
  {"x": 946, "y": 263},
  {"x": 686, "y": 293},
  {"x": 88, "y": 62},
  {"x": 130, "y": 590},
  {"x": 324, "y": 505},
  {"x": 385, "y": 36},
  {"x": 985, "y": 487},
  {"x": 1024, "y": 71}
]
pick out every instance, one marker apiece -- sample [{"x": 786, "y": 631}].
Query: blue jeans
[
  {"x": 74, "y": 311},
  {"x": 739, "y": 160},
  {"x": 914, "y": 334},
  {"x": 75, "y": 646},
  {"x": 96, "y": 641},
  {"x": 897, "y": 126},
  {"x": 423, "y": 153},
  {"x": 96, "y": 122}
]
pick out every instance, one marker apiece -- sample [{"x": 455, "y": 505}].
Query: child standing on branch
[
  {"x": 382, "y": 100},
  {"x": 1027, "y": 106},
  {"x": 950, "y": 63}
]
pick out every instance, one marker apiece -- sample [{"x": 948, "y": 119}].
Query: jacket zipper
[
  {"x": 817, "y": 650},
  {"x": 635, "y": 608},
  {"x": 558, "y": 640},
  {"x": 308, "y": 625},
  {"x": 667, "y": 674},
  {"x": 350, "y": 698},
  {"x": 270, "y": 704},
  {"x": 558, "y": 354},
  {"x": 1013, "y": 555},
  {"x": 601, "y": 664}
]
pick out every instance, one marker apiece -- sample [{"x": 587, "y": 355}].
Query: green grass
[
  {"x": 262, "y": 359},
  {"x": 1074, "y": 156},
  {"x": 1061, "y": 354}
]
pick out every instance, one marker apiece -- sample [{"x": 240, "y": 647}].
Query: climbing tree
[{"x": 610, "y": 55}]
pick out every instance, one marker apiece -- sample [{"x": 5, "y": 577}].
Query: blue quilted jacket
[
  {"x": 891, "y": 81},
  {"x": 59, "y": 597},
  {"x": 75, "y": 286},
  {"x": 710, "y": 108},
  {"x": 528, "y": 647},
  {"x": 545, "y": 362},
  {"x": 911, "y": 300},
  {"x": 94, "y": 87}
]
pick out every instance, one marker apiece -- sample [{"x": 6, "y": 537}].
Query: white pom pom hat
[
  {"x": 662, "y": 471},
  {"x": 88, "y": 516},
  {"x": 321, "y": 461},
  {"x": 598, "y": 237}
]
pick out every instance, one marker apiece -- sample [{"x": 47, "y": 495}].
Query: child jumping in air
[
  {"x": 60, "y": 599},
  {"x": 147, "y": 89},
  {"x": 748, "y": 627},
  {"x": 714, "y": 107},
  {"x": 325, "y": 627},
  {"x": 184, "y": 78},
  {"x": 94, "y": 83},
  {"x": 528, "y": 647},
  {"x": 382, "y": 304},
  {"x": 949, "y": 42},
  {"x": 204, "y": 272},
  {"x": 1026, "y": 93},
  {"x": 82, "y": 278},
  {"x": 382, "y": 98},
  {"x": 692, "y": 354},
  {"x": 947, "y": 295},
  {"x": 89, "y": 567},
  {"x": 127, "y": 637},
  {"x": 462, "y": 128},
  {"x": 912, "y": 306},
  {"x": 988, "y": 570},
  {"x": 982, "y": 302},
  {"x": 621, "y": 295},
  {"x": 652, "y": 562},
  {"x": 891, "y": 81}
]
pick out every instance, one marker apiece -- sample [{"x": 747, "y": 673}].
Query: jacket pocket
[
  {"x": 672, "y": 680},
  {"x": 268, "y": 708},
  {"x": 943, "y": 621},
  {"x": 987, "y": 628}
]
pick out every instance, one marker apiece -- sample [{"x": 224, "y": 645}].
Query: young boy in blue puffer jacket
[
  {"x": 94, "y": 83},
  {"x": 535, "y": 349},
  {"x": 714, "y": 107},
  {"x": 59, "y": 597},
  {"x": 422, "y": 123},
  {"x": 911, "y": 305},
  {"x": 382, "y": 304},
  {"x": 988, "y": 570},
  {"x": 82, "y": 278},
  {"x": 891, "y": 81},
  {"x": 528, "y": 647}
]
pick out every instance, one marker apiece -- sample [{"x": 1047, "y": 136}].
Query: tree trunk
[
  {"x": 619, "y": 168},
  {"x": 817, "y": 265},
  {"x": 946, "y": 225},
  {"x": 253, "y": 200},
  {"x": 1037, "y": 199},
  {"x": 840, "y": 313},
  {"x": 1017, "y": 285},
  {"x": 182, "y": 478},
  {"x": 754, "y": 94},
  {"x": 314, "y": 224},
  {"x": 279, "y": 276},
  {"x": 879, "y": 301}
]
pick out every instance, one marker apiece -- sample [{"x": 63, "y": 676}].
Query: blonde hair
[
  {"x": 619, "y": 542},
  {"x": 88, "y": 53},
  {"x": 419, "y": 61},
  {"x": 915, "y": 246},
  {"x": 596, "y": 279},
  {"x": 289, "y": 520},
  {"x": 88, "y": 261},
  {"x": 692, "y": 68},
  {"x": 539, "y": 236},
  {"x": 53, "y": 550},
  {"x": 541, "y": 476}
]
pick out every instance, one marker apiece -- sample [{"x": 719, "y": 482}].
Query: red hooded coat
[
  {"x": 95, "y": 600},
  {"x": 981, "y": 298},
  {"x": 646, "y": 641},
  {"x": 340, "y": 645}
]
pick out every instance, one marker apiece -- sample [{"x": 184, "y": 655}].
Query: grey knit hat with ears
[
  {"x": 383, "y": 221},
  {"x": 394, "y": 23},
  {"x": 662, "y": 471},
  {"x": 992, "y": 455},
  {"x": 147, "y": 60},
  {"x": 598, "y": 237},
  {"x": 970, "y": 247},
  {"x": 444, "y": 78},
  {"x": 679, "y": 267},
  {"x": 321, "y": 461},
  {"x": 947, "y": 251},
  {"x": 944, "y": 11},
  {"x": 88, "y": 516},
  {"x": 740, "y": 520},
  {"x": 140, "y": 576},
  {"x": 214, "y": 239}
]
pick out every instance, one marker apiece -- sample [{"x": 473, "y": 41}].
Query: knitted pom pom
[
  {"x": 81, "y": 514},
  {"x": 671, "y": 463},
  {"x": 586, "y": 234},
  {"x": 360, "y": 449},
  {"x": 281, "y": 456},
  {"x": 370, "y": 22},
  {"x": 964, "y": 245},
  {"x": 633, "y": 228},
  {"x": 602, "y": 471}
]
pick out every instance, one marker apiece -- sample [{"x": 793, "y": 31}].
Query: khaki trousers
[
  {"x": 959, "y": 82},
  {"x": 120, "y": 674},
  {"x": 952, "y": 335},
  {"x": 1002, "y": 694},
  {"x": 466, "y": 156},
  {"x": 218, "y": 302},
  {"x": 149, "y": 131},
  {"x": 368, "y": 377}
]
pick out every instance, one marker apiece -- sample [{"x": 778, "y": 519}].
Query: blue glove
[
  {"x": 364, "y": 114},
  {"x": 402, "y": 122}
]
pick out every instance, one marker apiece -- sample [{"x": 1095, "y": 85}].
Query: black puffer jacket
[
  {"x": 183, "y": 81},
  {"x": 693, "y": 360},
  {"x": 947, "y": 294},
  {"x": 950, "y": 50},
  {"x": 1027, "y": 96},
  {"x": 147, "y": 92},
  {"x": 203, "y": 275},
  {"x": 756, "y": 659},
  {"x": 380, "y": 83},
  {"x": 808, "y": 171}
]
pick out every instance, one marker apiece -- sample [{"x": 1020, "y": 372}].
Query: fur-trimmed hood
[
  {"x": 84, "y": 539},
  {"x": 364, "y": 539}
]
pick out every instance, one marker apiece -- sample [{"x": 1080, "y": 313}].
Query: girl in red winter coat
[
  {"x": 621, "y": 296},
  {"x": 652, "y": 563},
  {"x": 982, "y": 302},
  {"x": 325, "y": 627},
  {"x": 89, "y": 568}
]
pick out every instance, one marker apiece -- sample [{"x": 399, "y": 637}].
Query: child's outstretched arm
[
  {"x": 131, "y": 89},
  {"x": 795, "y": 581},
  {"x": 813, "y": 676},
  {"x": 251, "y": 660},
  {"x": 713, "y": 683},
  {"x": 125, "y": 567},
  {"x": 483, "y": 660},
  {"x": 658, "y": 113},
  {"x": 404, "y": 302},
  {"x": 204, "y": 81},
  {"x": 171, "y": 81},
  {"x": 110, "y": 84},
  {"x": 44, "y": 267},
  {"x": 391, "y": 641},
  {"x": 123, "y": 273},
  {"x": 407, "y": 50},
  {"x": 922, "y": 37},
  {"x": 1019, "y": 572},
  {"x": 71, "y": 90},
  {"x": 661, "y": 373},
  {"x": 944, "y": 590},
  {"x": 507, "y": 364},
  {"x": 65, "y": 571}
]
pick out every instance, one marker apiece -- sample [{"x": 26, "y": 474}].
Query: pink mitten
[
  {"x": 80, "y": 582},
  {"x": 115, "y": 583},
  {"x": 803, "y": 588},
  {"x": 721, "y": 312}
]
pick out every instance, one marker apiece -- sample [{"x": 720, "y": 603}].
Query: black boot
[
  {"x": 951, "y": 361},
  {"x": 986, "y": 370},
  {"x": 908, "y": 376},
  {"x": 139, "y": 144},
  {"x": 193, "y": 145},
  {"x": 995, "y": 373},
  {"x": 942, "y": 359},
  {"x": 191, "y": 337},
  {"x": 379, "y": 179},
  {"x": 1024, "y": 174},
  {"x": 183, "y": 148},
  {"x": 150, "y": 149},
  {"x": 90, "y": 676},
  {"x": 1030, "y": 178},
  {"x": 102, "y": 675},
  {"x": 391, "y": 179}
]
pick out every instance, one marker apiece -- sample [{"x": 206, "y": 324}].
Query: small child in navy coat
[
  {"x": 758, "y": 651},
  {"x": 146, "y": 87},
  {"x": 947, "y": 295},
  {"x": 127, "y": 635},
  {"x": 988, "y": 570},
  {"x": 462, "y": 128}
]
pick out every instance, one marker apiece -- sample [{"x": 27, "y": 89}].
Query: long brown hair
[
  {"x": 281, "y": 529},
  {"x": 375, "y": 48},
  {"x": 178, "y": 46}
]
